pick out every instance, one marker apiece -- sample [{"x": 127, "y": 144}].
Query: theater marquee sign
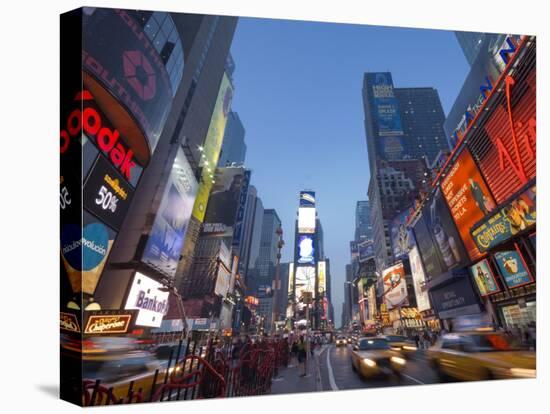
[{"x": 109, "y": 322}]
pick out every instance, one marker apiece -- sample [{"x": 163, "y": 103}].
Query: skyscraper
[
  {"x": 234, "y": 147},
  {"x": 404, "y": 132},
  {"x": 363, "y": 226},
  {"x": 262, "y": 276},
  {"x": 472, "y": 43}
]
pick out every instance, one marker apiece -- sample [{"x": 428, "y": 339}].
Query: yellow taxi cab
[
  {"x": 477, "y": 355},
  {"x": 341, "y": 341},
  {"x": 401, "y": 343},
  {"x": 372, "y": 356}
]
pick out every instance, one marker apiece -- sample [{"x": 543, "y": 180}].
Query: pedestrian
[
  {"x": 236, "y": 351},
  {"x": 426, "y": 340},
  {"x": 417, "y": 339},
  {"x": 294, "y": 353},
  {"x": 302, "y": 356}
]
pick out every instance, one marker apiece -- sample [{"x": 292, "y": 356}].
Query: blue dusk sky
[{"x": 298, "y": 93}]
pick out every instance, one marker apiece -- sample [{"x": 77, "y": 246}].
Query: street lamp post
[
  {"x": 169, "y": 287},
  {"x": 274, "y": 304}
]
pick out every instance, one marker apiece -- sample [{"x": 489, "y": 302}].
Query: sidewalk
[{"x": 289, "y": 380}]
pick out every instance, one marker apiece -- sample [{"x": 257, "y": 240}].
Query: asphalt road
[{"x": 337, "y": 374}]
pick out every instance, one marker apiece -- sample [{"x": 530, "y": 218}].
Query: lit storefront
[{"x": 489, "y": 186}]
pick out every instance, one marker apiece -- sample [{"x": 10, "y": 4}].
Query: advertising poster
[
  {"x": 455, "y": 299},
  {"x": 484, "y": 278},
  {"x": 223, "y": 281},
  {"x": 307, "y": 198},
  {"x": 145, "y": 296},
  {"x": 512, "y": 268},
  {"x": 304, "y": 280},
  {"x": 306, "y": 219},
  {"x": 419, "y": 280},
  {"x": 165, "y": 241},
  {"x": 386, "y": 105},
  {"x": 427, "y": 248},
  {"x": 290, "y": 279},
  {"x": 85, "y": 251},
  {"x": 321, "y": 278},
  {"x": 448, "y": 243},
  {"x": 212, "y": 146},
  {"x": 386, "y": 115},
  {"x": 401, "y": 236},
  {"x": 226, "y": 200},
  {"x": 365, "y": 250},
  {"x": 468, "y": 198},
  {"x": 119, "y": 56},
  {"x": 395, "y": 286},
  {"x": 306, "y": 249},
  {"x": 106, "y": 194},
  {"x": 519, "y": 215},
  {"x": 239, "y": 219}
]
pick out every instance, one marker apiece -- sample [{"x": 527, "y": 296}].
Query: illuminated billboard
[
  {"x": 419, "y": 280},
  {"x": 484, "y": 278},
  {"x": 307, "y": 198},
  {"x": 513, "y": 268},
  {"x": 401, "y": 236},
  {"x": 395, "y": 286},
  {"x": 385, "y": 112},
  {"x": 165, "y": 242},
  {"x": 322, "y": 278},
  {"x": 468, "y": 198},
  {"x": 304, "y": 280},
  {"x": 504, "y": 142},
  {"x": 118, "y": 55},
  {"x": 306, "y": 220},
  {"x": 518, "y": 215},
  {"x": 147, "y": 297},
  {"x": 212, "y": 146},
  {"x": 306, "y": 249}
]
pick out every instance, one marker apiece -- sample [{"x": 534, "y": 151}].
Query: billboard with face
[
  {"x": 518, "y": 215},
  {"x": 484, "y": 278},
  {"x": 401, "y": 236},
  {"x": 419, "y": 280},
  {"x": 306, "y": 249},
  {"x": 395, "y": 286},
  {"x": 468, "y": 198},
  {"x": 513, "y": 268},
  {"x": 226, "y": 202},
  {"x": 165, "y": 241}
]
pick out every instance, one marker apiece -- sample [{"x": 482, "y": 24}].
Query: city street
[{"x": 337, "y": 372}]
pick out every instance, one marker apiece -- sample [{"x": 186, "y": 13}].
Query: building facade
[{"x": 404, "y": 132}]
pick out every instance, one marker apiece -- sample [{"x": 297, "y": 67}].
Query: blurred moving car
[
  {"x": 341, "y": 341},
  {"x": 480, "y": 356},
  {"x": 373, "y": 356},
  {"x": 401, "y": 343}
]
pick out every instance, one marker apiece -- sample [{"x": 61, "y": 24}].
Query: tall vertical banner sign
[
  {"x": 212, "y": 146},
  {"x": 386, "y": 115},
  {"x": 468, "y": 198},
  {"x": 165, "y": 242},
  {"x": 321, "y": 278}
]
